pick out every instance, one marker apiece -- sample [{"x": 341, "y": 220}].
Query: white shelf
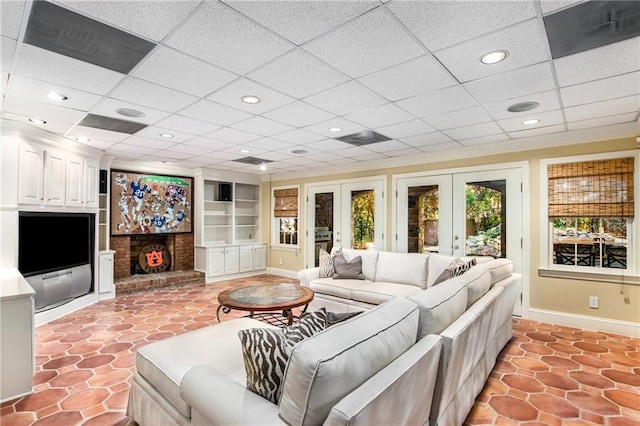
[
  {"x": 240, "y": 200},
  {"x": 246, "y": 226}
]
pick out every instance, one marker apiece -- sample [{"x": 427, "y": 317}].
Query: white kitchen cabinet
[
  {"x": 215, "y": 262},
  {"x": 54, "y": 178},
  {"x": 30, "y": 174},
  {"x": 105, "y": 277},
  {"x": 82, "y": 182},
  {"x": 232, "y": 261},
  {"x": 259, "y": 257},
  {"x": 246, "y": 258}
]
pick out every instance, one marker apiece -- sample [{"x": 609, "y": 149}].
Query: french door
[
  {"x": 349, "y": 214},
  {"x": 475, "y": 213}
]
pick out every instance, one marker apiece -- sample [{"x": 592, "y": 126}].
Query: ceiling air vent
[
  {"x": 365, "y": 137},
  {"x": 252, "y": 160},
  {"x": 591, "y": 24},
  {"x": 62, "y": 31},
  {"x": 112, "y": 124}
]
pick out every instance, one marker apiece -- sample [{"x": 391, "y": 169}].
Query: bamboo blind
[
  {"x": 602, "y": 188},
  {"x": 286, "y": 202}
]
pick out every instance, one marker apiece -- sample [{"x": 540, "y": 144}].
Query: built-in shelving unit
[
  {"x": 246, "y": 213},
  {"x": 103, "y": 230}
]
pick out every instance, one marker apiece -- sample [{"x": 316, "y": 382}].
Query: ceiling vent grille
[
  {"x": 111, "y": 124},
  {"x": 365, "y": 137},
  {"x": 62, "y": 31},
  {"x": 591, "y": 24},
  {"x": 252, "y": 160}
]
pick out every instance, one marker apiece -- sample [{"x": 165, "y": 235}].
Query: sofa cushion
[
  {"x": 440, "y": 306},
  {"x": 402, "y": 268},
  {"x": 369, "y": 261},
  {"x": 348, "y": 269},
  {"x": 164, "y": 363},
  {"x": 500, "y": 269},
  {"x": 265, "y": 352},
  {"x": 437, "y": 263},
  {"x": 457, "y": 267},
  {"x": 327, "y": 268},
  {"x": 324, "y": 368},
  {"x": 478, "y": 280},
  {"x": 380, "y": 292},
  {"x": 338, "y": 288}
]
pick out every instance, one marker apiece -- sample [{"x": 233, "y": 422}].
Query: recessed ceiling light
[
  {"x": 530, "y": 122},
  {"x": 250, "y": 99},
  {"x": 37, "y": 121},
  {"x": 335, "y": 129},
  {"x": 245, "y": 151},
  {"x": 494, "y": 57},
  {"x": 56, "y": 96},
  {"x": 82, "y": 139},
  {"x": 523, "y": 106},
  {"x": 263, "y": 167},
  {"x": 166, "y": 135},
  {"x": 128, "y": 112},
  {"x": 299, "y": 151}
]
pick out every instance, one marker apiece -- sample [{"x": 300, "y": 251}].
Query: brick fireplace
[{"x": 128, "y": 275}]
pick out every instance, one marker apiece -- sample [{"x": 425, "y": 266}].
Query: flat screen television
[{"x": 49, "y": 242}]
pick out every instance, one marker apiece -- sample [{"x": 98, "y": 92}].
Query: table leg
[
  {"x": 289, "y": 316},
  {"x": 218, "y": 312}
]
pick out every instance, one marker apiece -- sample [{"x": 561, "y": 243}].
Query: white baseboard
[
  {"x": 283, "y": 273},
  {"x": 44, "y": 317},
  {"x": 585, "y": 322}
]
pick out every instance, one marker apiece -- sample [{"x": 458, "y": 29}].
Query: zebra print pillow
[
  {"x": 266, "y": 352},
  {"x": 327, "y": 268},
  {"x": 455, "y": 268}
]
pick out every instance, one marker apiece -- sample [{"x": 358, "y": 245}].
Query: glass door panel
[
  {"x": 362, "y": 219},
  {"x": 323, "y": 226},
  {"x": 363, "y": 215},
  {"x": 486, "y": 214}
]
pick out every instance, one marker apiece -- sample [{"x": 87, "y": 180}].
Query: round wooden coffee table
[{"x": 265, "y": 298}]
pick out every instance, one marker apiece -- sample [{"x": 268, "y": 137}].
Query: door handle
[{"x": 455, "y": 247}]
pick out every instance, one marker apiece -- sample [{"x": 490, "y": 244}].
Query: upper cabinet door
[
  {"x": 30, "y": 178},
  {"x": 74, "y": 186},
  {"x": 91, "y": 183},
  {"x": 54, "y": 178}
]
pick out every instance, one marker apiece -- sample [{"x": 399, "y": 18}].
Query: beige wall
[{"x": 550, "y": 294}]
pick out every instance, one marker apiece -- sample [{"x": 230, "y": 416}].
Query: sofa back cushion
[
  {"x": 478, "y": 280},
  {"x": 402, "y": 268},
  {"x": 369, "y": 260},
  {"x": 440, "y": 306},
  {"x": 329, "y": 365},
  {"x": 437, "y": 263}
]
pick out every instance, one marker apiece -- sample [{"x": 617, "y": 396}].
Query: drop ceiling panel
[
  {"x": 330, "y": 145},
  {"x": 37, "y": 90},
  {"x": 170, "y": 68},
  {"x": 240, "y": 44},
  {"x": 213, "y": 145},
  {"x": 11, "y": 18},
  {"x": 403, "y": 152},
  {"x": 64, "y": 70},
  {"x": 151, "y": 95},
  {"x": 231, "y": 95},
  {"x": 370, "y": 43},
  {"x": 559, "y": 128},
  {"x": 214, "y": 113},
  {"x": 300, "y": 22},
  {"x": 129, "y": 149},
  {"x": 7, "y": 51},
  {"x": 420, "y": 141},
  {"x": 279, "y": 156},
  {"x": 187, "y": 125},
  {"x": 380, "y": 116},
  {"x": 142, "y": 140},
  {"x": 187, "y": 150},
  {"x": 298, "y": 114},
  {"x": 439, "y": 24},
  {"x": 533, "y": 79},
  {"x": 298, "y": 136},
  {"x": 154, "y": 132},
  {"x": 159, "y": 17},
  {"x": 440, "y": 147},
  {"x": 347, "y": 127},
  {"x": 97, "y": 134},
  {"x": 386, "y": 146},
  {"x": 548, "y": 6},
  {"x": 524, "y": 42},
  {"x": 410, "y": 78},
  {"x": 476, "y": 130},
  {"x": 606, "y": 108},
  {"x": 484, "y": 140},
  {"x": 346, "y": 98},
  {"x": 108, "y": 107},
  {"x": 461, "y": 118},
  {"x": 41, "y": 110},
  {"x": 228, "y": 134},
  {"x": 374, "y": 156},
  {"x": 299, "y": 74},
  {"x": 51, "y": 126},
  {"x": 618, "y": 58},
  {"x": 270, "y": 144},
  {"x": 547, "y": 101},
  {"x": 408, "y": 128},
  {"x": 547, "y": 118},
  {"x": 604, "y": 121},
  {"x": 171, "y": 155},
  {"x": 440, "y": 101},
  {"x": 600, "y": 90},
  {"x": 262, "y": 126}
]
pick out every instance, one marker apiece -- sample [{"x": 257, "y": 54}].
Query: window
[
  {"x": 591, "y": 214},
  {"x": 285, "y": 216}
]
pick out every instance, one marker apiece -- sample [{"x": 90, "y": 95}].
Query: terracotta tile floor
[{"x": 547, "y": 375}]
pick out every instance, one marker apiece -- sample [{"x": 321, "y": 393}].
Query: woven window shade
[
  {"x": 602, "y": 188},
  {"x": 286, "y": 202}
]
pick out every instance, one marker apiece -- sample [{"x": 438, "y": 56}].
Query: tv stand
[{"x": 57, "y": 288}]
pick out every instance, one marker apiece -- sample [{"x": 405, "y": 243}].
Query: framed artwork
[{"x": 145, "y": 203}]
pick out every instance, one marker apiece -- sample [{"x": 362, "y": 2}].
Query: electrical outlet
[
  {"x": 280, "y": 261},
  {"x": 593, "y": 302}
]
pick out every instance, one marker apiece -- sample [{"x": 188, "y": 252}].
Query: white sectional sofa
[
  {"x": 471, "y": 312},
  {"x": 352, "y": 373}
]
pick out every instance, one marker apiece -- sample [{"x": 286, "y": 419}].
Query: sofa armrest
[
  {"x": 215, "y": 399},
  {"x": 307, "y": 275}
]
